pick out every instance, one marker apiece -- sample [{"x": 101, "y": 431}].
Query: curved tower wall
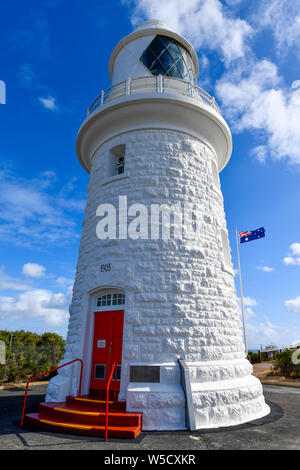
[{"x": 180, "y": 294}]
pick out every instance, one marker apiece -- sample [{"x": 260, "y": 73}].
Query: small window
[
  {"x": 100, "y": 371},
  {"x": 215, "y": 175},
  {"x": 120, "y": 165},
  {"x": 111, "y": 299},
  {"x": 226, "y": 249},
  {"x": 117, "y": 160}
]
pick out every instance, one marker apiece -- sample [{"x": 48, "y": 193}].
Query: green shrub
[
  {"x": 284, "y": 366},
  {"x": 30, "y": 354},
  {"x": 254, "y": 357}
]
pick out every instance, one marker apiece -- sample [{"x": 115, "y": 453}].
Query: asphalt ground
[{"x": 280, "y": 430}]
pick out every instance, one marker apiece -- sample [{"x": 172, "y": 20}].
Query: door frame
[
  {"x": 90, "y": 318},
  {"x": 109, "y": 361}
]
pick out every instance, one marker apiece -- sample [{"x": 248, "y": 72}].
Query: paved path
[{"x": 279, "y": 430}]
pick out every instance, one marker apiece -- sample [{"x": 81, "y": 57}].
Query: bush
[
  {"x": 30, "y": 354},
  {"x": 284, "y": 366},
  {"x": 254, "y": 357}
]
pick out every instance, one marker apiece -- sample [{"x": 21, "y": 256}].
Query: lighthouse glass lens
[
  {"x": 166, "y": 41},
  {"x": 166, "y": 59},
  {"x": 165, "y": 56},
  {"x": 181, "y": 67},
  {"x": 174, "y": 72},
  {"x": 148, "y": 58},
  {"x": 158, "y": 68},
  {"x": 175, "y": 51}
]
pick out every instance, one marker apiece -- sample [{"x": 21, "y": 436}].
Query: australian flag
[{"x": 253, "y": 235}]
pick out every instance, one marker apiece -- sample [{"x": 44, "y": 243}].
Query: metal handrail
[
  {"x": 45, "y": 373},
  {"x": 157, "y": 84},
  {"x": 107, "y": 396}
]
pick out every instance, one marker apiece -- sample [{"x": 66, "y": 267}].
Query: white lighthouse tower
[{"x": 149, "y": 297}]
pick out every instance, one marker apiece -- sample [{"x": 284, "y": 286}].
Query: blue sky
[{"x": 54, "y": 61}]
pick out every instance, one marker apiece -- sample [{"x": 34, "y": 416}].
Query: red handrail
[
  {"x": 107, "y": 395},
  {"x": 48, "y": 372}
]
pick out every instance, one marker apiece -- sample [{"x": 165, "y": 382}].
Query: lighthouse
[{"x": 154, "y": 295}]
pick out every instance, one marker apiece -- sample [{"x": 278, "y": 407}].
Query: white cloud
[
  {"x": 233, "y": 2},
  {"x": 260, "y": 153},
  {"x": 293, "y": 257},
  {"x": 9, "y": 283},
  {"x": 293, "y": 305},
  {"x": 250, "y": 302},
  {"x": 291, "y": 260},
  {"x": 38, "y": 304},
  {"x": 252, "y": 100},
  {"x": 206, "y": 23},
  {"x": 35, "y": 212},
  {"x": 283, "y": 18},
  {"x": 27, "y": 76},
  {"x": 64, "y": 282},
  {"x": 49, "y": 103},
  {"x": 249, "y": 313},
  {"x": 295, "y": 247},
  {"x": 266, "y": 269},
  {"x": 263, "y": 333},
  {"x": 33, "y": 270},
  {"x": 252, "y": 93},
  {"x": 268, "y": 333}
]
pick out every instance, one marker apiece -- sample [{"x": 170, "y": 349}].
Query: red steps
[
  {"x": 96, "y": 403},
  {"x": 86, "y": 416}
]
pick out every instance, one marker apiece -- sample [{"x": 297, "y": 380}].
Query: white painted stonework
[{"x": 180, "y": 294}]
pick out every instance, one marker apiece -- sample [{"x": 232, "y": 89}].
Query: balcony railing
[{"x": 158, "y": 84}]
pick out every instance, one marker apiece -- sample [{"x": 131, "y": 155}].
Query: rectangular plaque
[
  {"x": 101, "y": 343},
  {"x": 144, "y": 374}
]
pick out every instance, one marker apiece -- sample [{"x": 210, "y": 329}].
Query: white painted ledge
[{"x": 113, "y": 178}]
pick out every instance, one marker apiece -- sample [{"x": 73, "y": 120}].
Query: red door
[{"x": 107, "y": 349}]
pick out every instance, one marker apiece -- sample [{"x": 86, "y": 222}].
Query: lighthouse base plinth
[
  {"x": 222, "y": 394},
  {"x": 228, "y": 403}
]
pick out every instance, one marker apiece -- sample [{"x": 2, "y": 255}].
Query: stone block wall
[{"x": 180, "y": 294}]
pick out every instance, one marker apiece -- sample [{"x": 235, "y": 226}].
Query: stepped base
[
  {"x": 221, "y": 394},
  {"x": 228, "y": 403},
  {"x": 86, "y": 416}
]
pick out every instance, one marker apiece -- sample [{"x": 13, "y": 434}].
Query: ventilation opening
[{"x": 117, "y": 160}]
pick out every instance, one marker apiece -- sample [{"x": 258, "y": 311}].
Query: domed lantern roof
[{"x": 153, "y": 49}]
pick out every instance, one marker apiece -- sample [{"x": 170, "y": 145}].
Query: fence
[{"x": 24, "y": 362}]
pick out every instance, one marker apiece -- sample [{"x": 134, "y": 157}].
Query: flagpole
[{"x": 241, "y": 291}]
